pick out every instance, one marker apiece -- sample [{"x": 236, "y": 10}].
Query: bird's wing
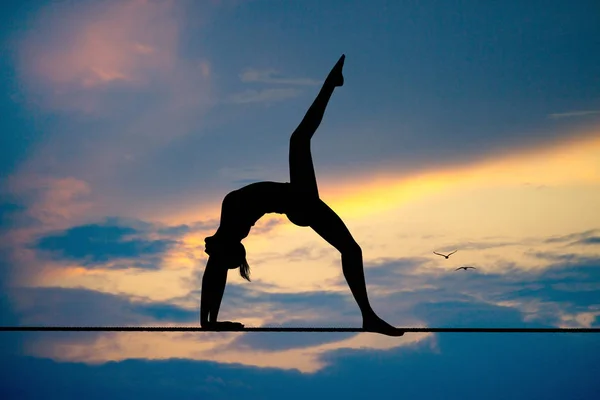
[
  {"x": 472, "y": 267},
  {"x": 458, "y": 268},
  {"x": 439, "y": 254},
  {"x": 452, "y": 252}
]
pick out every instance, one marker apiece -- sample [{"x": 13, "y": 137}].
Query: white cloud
[
  {"x": 270, "y": 76},
  {"x": 573, "y": 114},
  {"x": 265, "y": 95}
]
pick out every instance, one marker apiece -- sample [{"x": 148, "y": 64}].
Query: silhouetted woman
[{"x": 299, "y": 201}]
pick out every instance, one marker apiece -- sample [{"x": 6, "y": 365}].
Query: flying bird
[
  {"x": 465, "y": 268},
  {"x": 446, "y": 256}
]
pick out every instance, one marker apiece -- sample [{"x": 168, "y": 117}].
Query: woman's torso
[{"x": 241, "y": 208}]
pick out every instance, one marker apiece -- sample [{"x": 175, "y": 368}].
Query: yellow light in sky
[{"x": 576, "y": 162}]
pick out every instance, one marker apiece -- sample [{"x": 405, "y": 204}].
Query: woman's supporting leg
[
  {"x": 302, "y": 172},
  {"x": 331, "y": 228}
]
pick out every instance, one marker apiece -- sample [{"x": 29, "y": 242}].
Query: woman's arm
[{"x": 213, "y": 287}]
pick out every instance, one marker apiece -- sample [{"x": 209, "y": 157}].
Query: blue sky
[{"x": 461, "y": 125}]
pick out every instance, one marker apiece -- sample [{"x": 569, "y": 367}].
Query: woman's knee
[
  {"x": 351, "y": 249},
  {"x": 301, "y": 138}
]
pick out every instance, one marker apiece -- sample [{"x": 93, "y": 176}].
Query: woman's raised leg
[{"x": 302, "y": 172}]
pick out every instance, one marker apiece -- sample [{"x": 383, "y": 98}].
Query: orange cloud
[
  {"x": 104, "y": 43},
  {"x": 210, "y": 347},
  {"x": 55, "y": 202},
  {"x": 75, "y": 51}
]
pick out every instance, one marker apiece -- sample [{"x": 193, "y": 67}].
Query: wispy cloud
[
  {"x": 51, "y": 201},
  {"x": 264, "y": 95},
  {"x": 589, "y": 240},
  {"x": 482, "y": 245},
  {"x": 577, "y": 237},
  {"x": 274, "y": 77},
  {"x": 573, "y": 114},
  {"x": 269, "y": 77}
]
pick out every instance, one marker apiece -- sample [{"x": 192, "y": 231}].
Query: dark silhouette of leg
[
  {"x": 311, "y": 211},
  {"x": 302, "y": 172},
  {"x": 330, "y": 227}
]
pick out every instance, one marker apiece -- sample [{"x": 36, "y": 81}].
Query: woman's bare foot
[
  {"x": 336, "y": 77},
  {"x": 375, "y": 324},
  {"x": 223, "y": 326}
]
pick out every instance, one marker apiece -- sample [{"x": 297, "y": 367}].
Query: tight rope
[{"x": 280, "y": 329}]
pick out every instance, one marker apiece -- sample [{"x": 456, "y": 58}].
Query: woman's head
[{"x": 229, "y": 254}]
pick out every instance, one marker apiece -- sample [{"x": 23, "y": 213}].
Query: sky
[{"x": 462, "y": 125}]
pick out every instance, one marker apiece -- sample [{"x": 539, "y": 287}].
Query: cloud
[
  {"x": 58, "y": 306},
  {"x": 273, "y": 308},
  {"x": 121, "y": 243},
  {"x": 9, "y": 344},
  {"x": 162, "y": 229},
  {"x": 573, "y": 114},
  {"x": 577, "y": 288},
  {"x": 565, "y": 293},
  {"x": 264, "y": 95},
  {"x": 77, "y": 307},
  {"x": 382, "y": 272},
  {"x": 399, "y": 287},
  {"x": 589, "y": 240},
  {"x": 303, "y": 253},
  {"x": 270, "y": 76},
  {"x": 462, "y": 366},
  {"x": 96, "y": 245},
  {"x": 564, "y": 259},
  {"x": 482, "y": 245},
  {"x": 318, "y": 307},
  {"x": 267, "y": 225},
  {"x": 9, "y": 213},
  {"x": 406, "y": 292},
  {"x": 306, "y": 253},
  {"x": 51, "y": 201},
  {"x": 572, "y": 237},
  {"x": 276, "y": 342},
  {"x": 180, "y": 230},
  {"x": 80, "y": 50},
  {"x": 114, "y": 79},
  {"x": 83, "y": 307},
  {"x": 269, "y": 95},
  {"x": 165, "y": 312}
]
